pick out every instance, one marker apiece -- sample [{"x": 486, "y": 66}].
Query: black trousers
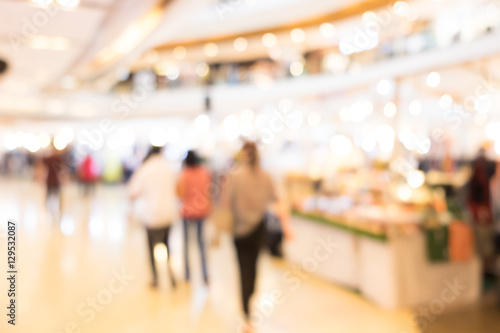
[
  {"x": 159, "y": 235},
  {"x": 247, "y": 249},
  {"x": 54, "y": 192}
]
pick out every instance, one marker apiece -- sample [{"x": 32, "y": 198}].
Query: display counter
[{"x": 391, "y": 271}]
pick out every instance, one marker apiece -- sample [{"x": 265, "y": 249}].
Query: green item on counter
[
  {"x": 323, "y": 220},
  {"x": 437, "y": 243}
]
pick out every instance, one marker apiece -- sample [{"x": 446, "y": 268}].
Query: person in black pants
[
  {"x": 153, "y": 184},
  {"x": 250, "y": 193},
  {"x": 247, "y": 249},
  {"x": 159, "y": 236}
]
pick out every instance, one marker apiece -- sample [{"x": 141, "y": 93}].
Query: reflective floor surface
[{"x": 90, "y": 273}]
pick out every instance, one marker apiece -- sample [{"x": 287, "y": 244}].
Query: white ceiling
[
  {"x": 86, "y": 29},
  {"x": 218, "y": 17},
  {"x": 199, "y": 19},
  {"x": 95, "y": 24},
  {"x": 30, "y": 68}
]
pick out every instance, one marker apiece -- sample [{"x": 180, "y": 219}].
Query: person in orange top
[{"x": 193, "y": 189}]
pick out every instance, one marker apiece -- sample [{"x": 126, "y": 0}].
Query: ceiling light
[
  {"x": 492, "y": 130},
  {"x": 173, "y": 135},
  {"x": 369, "y": 17},
  {"x": 59, "y": 142},
  {"x": 401, "y": 8},
  {"x": 161, "y": 68},
  {"x": 433, "y": 79},
  {"x": 39, "y": 42},
  {"x": 240, "y": 44},
  {"x": 31, "y": 142},
  {"x": 231, "y": 127},
  {"x": 360, "y": 110},
  {"x": 67, "y": 134},
  {"x": 230, "y": 122},
  {"x": 55, "y": 107},
  {"x": 386, "y": 146},
  {"x": 172, "y": 72},
  {"x": 327, "y": 30},
  {"x": 11, "y": 141},
  {"x": 416, "y": 179},
  {"x": 113, "y": 142},
  {"x": 404, "y": 192},
  {"x": 68, "y": 3},
  {"x": 285, "y": 105},
  {"x": 341, "y": 145},
  {"x": 415, "y": 107},
  {"x": 405, "y": 27},
  {"x": 497, "y": 147},
  {"x": 336, "y": 62},
  {"x": 344, "y": 113},
  {"x": 445, "y": 101},
  {"x": 275, "y": 53},
  {"x": 480, "y": 119},
  {"x": 152, "y": 57},
  {"x": 211, "y": 49},
  {"x": 493, "y": 11},
  {"x": 68, "y": 82},
  {"x": 247, "y": 116},
  {"x": 298, "y": 35},
  {"x": 368, "y": 144},
  {"x": 158, "y": 137},
  {"x": 131, "y": 37},
  {"x": 296, "y": 68},
  {"x": 269, "y": 40},
  {"x": 44, "y": 139},
  {"x": 42, "y": 2},
  {"x": 482, "y": 105},
  {"x": 424, "y": 146},
  {"x": 179, "y": 52},
  {"x": 390, "y": 110},
  {"x": 384, "y": 133},
  {"x": 202, "y": 69},
  {"x": 384, "y": 87},
  {"x": 314, "y": 119},
  {"x": 49, "y": 43},
  {"x": 202, "y": 123}
]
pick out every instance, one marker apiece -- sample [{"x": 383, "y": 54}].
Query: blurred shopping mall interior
[{"x": 373, "y": 126}]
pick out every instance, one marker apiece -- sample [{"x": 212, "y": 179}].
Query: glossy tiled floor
[{"x": 89, "y": 273}]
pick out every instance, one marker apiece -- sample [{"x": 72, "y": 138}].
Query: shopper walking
[
  {"x": 479, "y": 202},
  {"x": 153, "y": 186},
  {"x": 56, "y": 172},
  {"x": 88, "y": 175},
  {"x": 250, "y": 192},
  {"x": 193, "y": 189}
]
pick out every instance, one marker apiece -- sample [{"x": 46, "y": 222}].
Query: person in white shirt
[{"x": 153, "y": 187}]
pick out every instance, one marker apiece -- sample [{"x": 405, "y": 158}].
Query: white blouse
[{"x": 153, "y": 184}]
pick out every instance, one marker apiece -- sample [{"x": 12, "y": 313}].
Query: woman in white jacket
[{"x": 153, "y": 185}]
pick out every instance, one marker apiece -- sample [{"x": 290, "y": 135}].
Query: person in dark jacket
[
  {"x": 55, "y": 173},
  {"x": 479, "y": 204}
]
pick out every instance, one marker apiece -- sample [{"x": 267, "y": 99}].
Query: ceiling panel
[
  {"x": 211, "y": 18},
  {"x": 36, "y": 67}
]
